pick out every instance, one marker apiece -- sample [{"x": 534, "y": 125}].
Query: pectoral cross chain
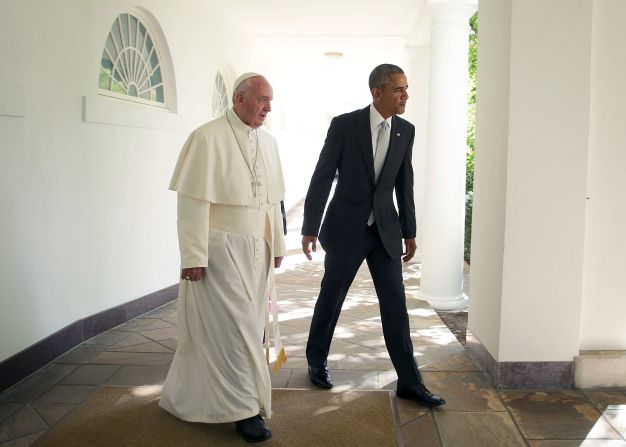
[{"x": 256, "y": 184}]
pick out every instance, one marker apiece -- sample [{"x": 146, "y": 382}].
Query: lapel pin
[{"x": 397, "y": 135}]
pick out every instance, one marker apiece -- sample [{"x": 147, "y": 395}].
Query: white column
[
  {"x": 444, "y": 204},
  {"x": 417, "y": 113}
]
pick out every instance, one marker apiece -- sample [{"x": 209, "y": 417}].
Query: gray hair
[
  {"x": 243, "y": 87},
  {"x": 380, "y": 75}
]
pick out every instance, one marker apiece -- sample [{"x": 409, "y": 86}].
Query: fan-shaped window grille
[
  {"x": 130, "y": 63},
  {"x": 220, "y": 96}
]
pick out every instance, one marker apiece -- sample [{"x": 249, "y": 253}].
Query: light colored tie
[{"x": 382, "y": 145}]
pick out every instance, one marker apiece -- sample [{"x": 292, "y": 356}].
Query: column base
[
  {"x": 439, "y": 302},
  {"x": 600, "y": 369}
]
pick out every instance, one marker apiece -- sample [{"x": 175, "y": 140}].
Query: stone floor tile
[
  {"x": 8, "y": 410},
  {"x": 367, "y": 341},
  {"x": 132, "y": 358},
  {"x": 493, "y": 429},
  {"x": 132, "y": 339},
  {"x": 161, "y": 312},
  {"x": 420, "y": 432},
  {"x": 300, "y": 379},
  {"x": 171, "y": 319},
  {"x": 578, "y": 443},
  {"x": 37, "y": 383},
  {"x": 406, "y": 416},
  {"x": 562, "y": 414},
  {"x": 366, "y": 361},
  {"x": 90, "y": 375},
  {"x": 345, "y": 380},
  {"x": 107, "y": 338},
  {"x": 136, "y": 324},
  {"x": 452, "y": 357},
  {"x": 66, "y": 394},
  {"x": 160, "y": 334},
  {"x": 293, "y": 350},
  {"x": 136, "y": 342},
  {"x": 24, "y": 441},
  {"x": 295, "y": 362},
  {"x": 437, "y": 335},
  {"x": 159, "y": 324},
  {"x": 603, "y": 398},
  {"x": 24, "y": 422},
  {"x": 80, "y": 354},
  {"x": 387, "y": 379},
  {"x": 421, "y": 313},
  {"x": 139, "y": 375},
  {"x": 152, "y": 346},
  {"x": 280, "y": 378},
  {"x": 169, "y": 343},
  {"x": 426, "y": 322},
  {"x": 616, "y": 415},
  {"x": 53, "y": 412},
  {"x": 463, "y": 391}
]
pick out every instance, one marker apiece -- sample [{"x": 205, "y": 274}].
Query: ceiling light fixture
[{"x": 334, "y": 55}]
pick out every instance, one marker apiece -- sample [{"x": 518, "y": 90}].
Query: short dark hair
[{"x": 380, "y": 75}]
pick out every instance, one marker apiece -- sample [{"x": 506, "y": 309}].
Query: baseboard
[
  {"x": 600, "y": 369},
  {"x": 24, "y": 363},
  {"x": 538, "y": 375}
]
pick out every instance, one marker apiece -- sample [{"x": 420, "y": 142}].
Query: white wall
[
  {"x": 603, "y": 323},
  {"x": 490, "y": 171},
  {"x": 87, "y": 220},
  {"x": 547, "y": 170},
  {"x": 543, "y": 213}
]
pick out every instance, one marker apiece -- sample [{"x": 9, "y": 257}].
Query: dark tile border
[
  {"x": 24, "y": 363},
  {"x": 481, "y": 356},
  {"x": 539, "y": 375},
  {"x": 545, "y": 375}
]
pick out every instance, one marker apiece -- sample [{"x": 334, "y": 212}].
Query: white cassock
[{"x": 230, "y": 184}]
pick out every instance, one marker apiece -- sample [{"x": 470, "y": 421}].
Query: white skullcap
[{"x": 243, "y": 77}]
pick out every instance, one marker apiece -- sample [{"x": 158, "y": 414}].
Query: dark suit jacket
[{"x": 348, "y": 150}]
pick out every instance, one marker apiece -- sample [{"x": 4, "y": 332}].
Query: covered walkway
[{"x": 138, "y": 353}]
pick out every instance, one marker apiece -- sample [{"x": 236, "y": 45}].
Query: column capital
[{"x": 451, "y": 11}]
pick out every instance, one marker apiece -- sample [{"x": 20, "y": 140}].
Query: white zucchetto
[{"x": 243, "y": 77}]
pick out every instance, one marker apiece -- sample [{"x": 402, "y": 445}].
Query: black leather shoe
[
  {"x": 420, "y": 394},
  {"x": 253, "y": 429},
  {"x": 320, "y": 377}
]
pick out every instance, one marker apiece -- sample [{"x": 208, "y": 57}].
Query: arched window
[
  {"x": 220, "y": 96},
  {"x": 130, "y": 66}
]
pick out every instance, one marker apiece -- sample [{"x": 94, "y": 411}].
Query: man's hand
[
  {"x": 192, "y": 274},
  {"x": 409, "y": 249},
  {"x": 277, "y": 261},
  {"x": 306, "y": 241}
]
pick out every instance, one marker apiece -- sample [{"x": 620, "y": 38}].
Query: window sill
[{"x": 103, "y": 110}]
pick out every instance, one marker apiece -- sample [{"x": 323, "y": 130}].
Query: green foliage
[{"x": 471, "y": 136}]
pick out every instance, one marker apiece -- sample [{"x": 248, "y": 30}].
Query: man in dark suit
[{"x": 370, "y": 149}]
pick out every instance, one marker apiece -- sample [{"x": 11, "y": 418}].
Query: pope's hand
[
  {"x": 306, "y": 241},
  {"x": 192, "y": 274}
]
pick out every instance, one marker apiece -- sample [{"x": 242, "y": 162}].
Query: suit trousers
[{"x": 339, "y": 272}]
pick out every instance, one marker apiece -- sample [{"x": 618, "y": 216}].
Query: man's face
[
  {"x": 391, "y": 99},
  {"x": 253, "y": 104}
]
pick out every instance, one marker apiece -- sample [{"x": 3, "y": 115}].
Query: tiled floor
[{"x": 139, "y": 352}]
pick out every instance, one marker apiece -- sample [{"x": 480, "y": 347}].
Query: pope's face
[
  {"x": 391, "y": 99},
  {"x": 253, "y": 104}
]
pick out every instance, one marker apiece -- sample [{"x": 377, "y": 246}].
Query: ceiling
[{"x": 324, "y": 17}]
